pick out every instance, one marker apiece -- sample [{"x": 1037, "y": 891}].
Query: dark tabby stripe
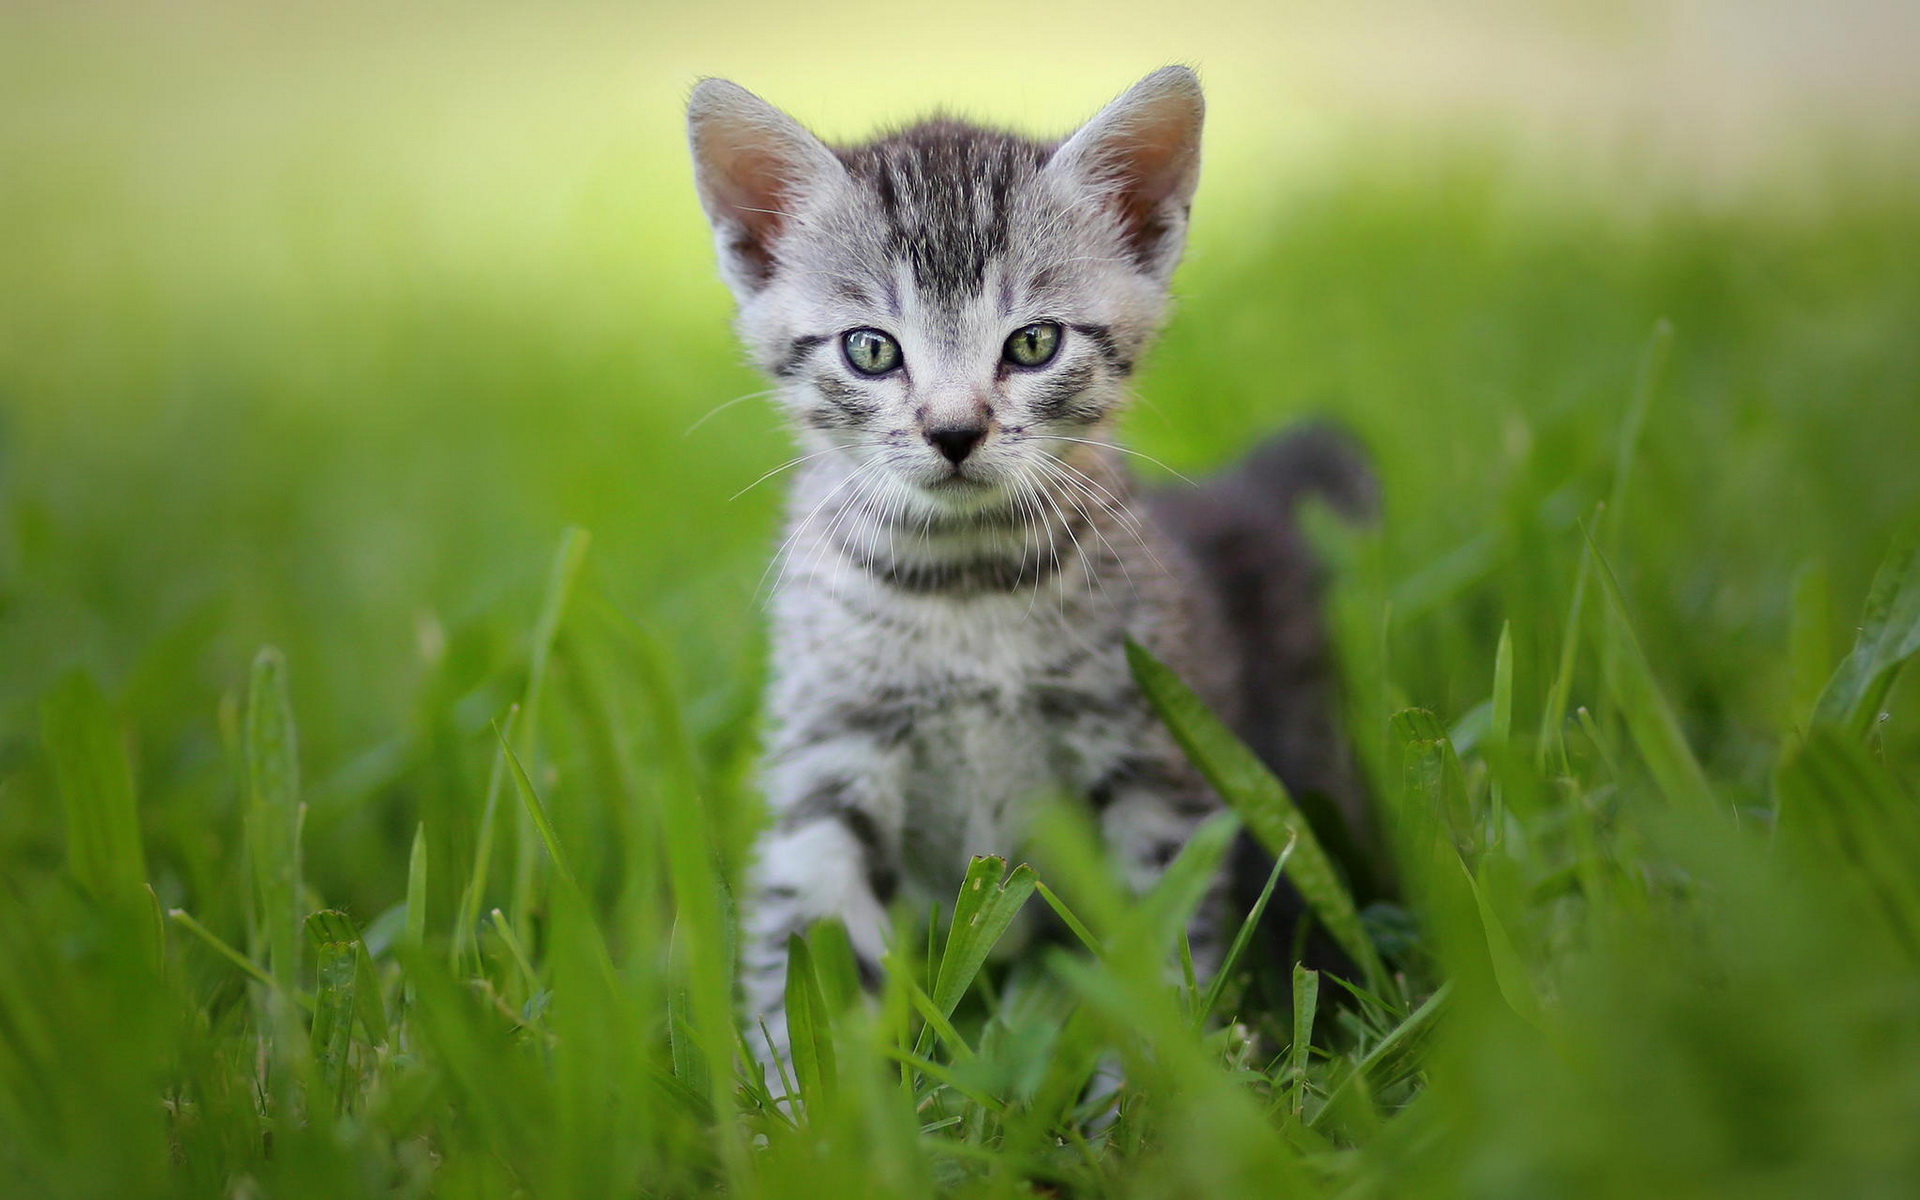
[
  {"x": 1102, "y": 336},
  {"x": 797, "y": 351},
  {"x": 978, "y": 573},
  {"x": 1060, "y": 395},
  {"x": 945, "y": 191},
  {"x": 846, "y": 406},
  {"x": 883, "y": 723},
  {"x": 970, "y": 576},
  {"x": 1151, "y": 775},
  {"x": 834, "y": 799}
]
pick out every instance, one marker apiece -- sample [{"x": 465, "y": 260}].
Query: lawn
[{"x": 381, "y": 585}]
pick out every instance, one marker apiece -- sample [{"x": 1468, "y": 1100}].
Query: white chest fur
[{"x": 972, "y": 709}]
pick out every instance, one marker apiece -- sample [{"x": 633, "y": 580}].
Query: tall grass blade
[
  {"x": 1243, "y": 937},
  {"x": 83, "y": 740},
  {"x": 1501, "y": 733},
  {"x": 990, "y": 897},
  {"x": 1889, "y": 637},
  {"x": 810, "y": 1031},
  {"x": 1306, "y": 1007},
  {"x": 335, "y": 1001},
  {"x": 466, "y": 925},
  {"x": 561, "y": 577},
  {"x": 1646, "y": 380},
  {"x": 1262, "y": 802},
  {"x": 536, "y": 812},
  {"x": 416, "y": 928},
  {"x": 1643, "y": 706},
  {"x": 1393, "y": 1056},
  {"x": 1553, "y": 718},
  {"x": 1845, "y": 819},
  {"x": 1509, "y": 969},
  {"x": 248, "y": 967},
  {"x": 274, "y": 813}
]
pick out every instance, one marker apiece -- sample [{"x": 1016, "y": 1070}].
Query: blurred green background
[{"x": 320, "y": 325}]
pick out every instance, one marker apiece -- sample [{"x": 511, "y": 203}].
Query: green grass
[{"x": 434, "y": 896}]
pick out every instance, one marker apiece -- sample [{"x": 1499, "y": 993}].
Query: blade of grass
[
  {"x": 1244, "y": 936},
  {"x": 1553, "y": 718},
  {"x": 1845, "y": 818},
  {"x": 1390, "y": 1054},
  {"x": 1646, "y": 380},
  {"x": 990, "y": 897},
  {"x": 1067, "y": 918},
  {"x": 1889, "y": 637},
  {"x": 567, "y": 559},
  {"x": 1643, "y": 706},
  {"x": 809, "y": 1031},
  {"x": 335, "y": 978},
  {"x": 467, "y": 925},
  {"x": 274, "y": 813},
  {"x": 416, "y": 929},
  {"x": 503, "y": 929},
  {"x": 1306, "y": 1006},
  {"x": 83, "y": 740},
  {"x": 1501, "y": 734},
  {"x": 1509, "y": 972},
  {"x": 251, "y": 969},
  {"x": 1262, "y": 802},
  {"x": 536, "y": 812}
]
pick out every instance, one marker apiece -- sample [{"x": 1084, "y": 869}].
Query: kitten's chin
[{"x": 958, "y": 493}]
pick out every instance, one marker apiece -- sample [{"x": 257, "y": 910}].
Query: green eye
[
  {"x": 1035, "y": 345},
  {"x": 870, "y": 352}
]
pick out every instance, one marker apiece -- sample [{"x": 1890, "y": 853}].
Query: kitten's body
[{"x": 966, "y": 553}]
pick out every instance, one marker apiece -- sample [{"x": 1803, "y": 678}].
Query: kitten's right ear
[{"x": 754, "y": 166}]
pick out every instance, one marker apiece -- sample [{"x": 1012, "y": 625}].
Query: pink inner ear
[
  {"x": 1152, "y": 162},
  {"x": 750, "y": 184},
  {"x": 756, "y": 189}
]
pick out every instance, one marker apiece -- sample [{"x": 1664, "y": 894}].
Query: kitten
[{"x": 952, "y": 315}]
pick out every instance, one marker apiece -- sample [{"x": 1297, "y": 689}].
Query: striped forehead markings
[{"x": 945, "y": 191}]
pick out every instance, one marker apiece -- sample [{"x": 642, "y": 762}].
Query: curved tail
[
  {"x": 1243, "y": 530},
  {"x": 1317, "y": 459}
]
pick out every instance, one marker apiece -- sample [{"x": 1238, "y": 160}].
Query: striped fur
[{"x": 948, "y": 639}]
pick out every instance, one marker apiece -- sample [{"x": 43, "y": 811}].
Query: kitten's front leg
[
  {"x": 1149, "y": 802},
  {"x": 833, "y": 851}
]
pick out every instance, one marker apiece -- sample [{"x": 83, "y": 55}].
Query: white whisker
[
  {"x": 718, "y": 409},
  {"x": 1055, "y": 437}
]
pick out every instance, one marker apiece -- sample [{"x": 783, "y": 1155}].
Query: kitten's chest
[{"x": 996, "y": 708}]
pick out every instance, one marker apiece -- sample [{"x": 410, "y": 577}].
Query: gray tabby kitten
[{"x": 952, "y": 315}]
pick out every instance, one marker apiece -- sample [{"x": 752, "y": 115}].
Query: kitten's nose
[{"x": 957, "y": 442}]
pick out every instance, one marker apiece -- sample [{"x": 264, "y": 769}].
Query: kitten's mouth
[
  {"x": 959, "y": 489},
  {"x": 958, "y": 479}
]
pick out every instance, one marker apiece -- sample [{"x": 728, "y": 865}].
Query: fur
[{"x": 948, "y": 632}]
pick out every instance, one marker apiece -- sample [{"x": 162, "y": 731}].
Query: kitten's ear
[
  {"x": 754, "y": 166},
  {"x": 1141, "y": 156}
]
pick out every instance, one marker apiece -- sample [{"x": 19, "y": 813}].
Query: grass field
[{"x": 380, "y": 645}]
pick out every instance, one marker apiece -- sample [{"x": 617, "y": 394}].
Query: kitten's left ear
[{"x": 1141, "y": 155}]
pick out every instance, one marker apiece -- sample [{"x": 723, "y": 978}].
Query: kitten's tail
[
  {"x": 1243, "y": 530},
  {"x": 1316, "y": 459},
  {"x": 1272, "y": 590}
]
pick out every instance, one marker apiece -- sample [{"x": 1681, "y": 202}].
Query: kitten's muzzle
[{"x": 955, "y": 442}]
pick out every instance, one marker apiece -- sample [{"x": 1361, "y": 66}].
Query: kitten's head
[{"x": 948, "y": 305}]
